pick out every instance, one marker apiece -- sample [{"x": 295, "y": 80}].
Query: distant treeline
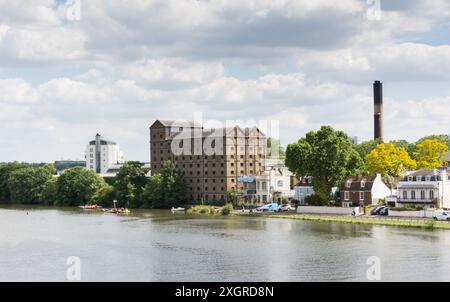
[{"x": 22, "y": 183}]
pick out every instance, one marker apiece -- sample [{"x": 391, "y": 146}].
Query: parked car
[
  {"x": 284, "y": 208},
  {"x": 383, "y": 211},
  {"x": 441, "y": 215},
  {"x": 376, "y": 211},
  {"x": 268, "y": 207}
]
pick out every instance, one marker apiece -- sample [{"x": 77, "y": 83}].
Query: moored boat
[
  {"x": 179, "y": 210},
  {"x": 90, "y": 207}
]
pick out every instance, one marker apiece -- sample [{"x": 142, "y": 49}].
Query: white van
[{"x": 441, "y": 215}]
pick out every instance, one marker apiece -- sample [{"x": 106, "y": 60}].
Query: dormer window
[
  {"x": 418, "y": 178},
  {"x": 363, "y": 183},
  {"x": 348, "y": 183},
  {"x": 427, "y": 178},
  {"x": 410, "y": 178}
]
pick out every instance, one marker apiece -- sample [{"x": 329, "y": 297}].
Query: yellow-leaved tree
[
  {"x": 389, "y": 160},
  {"x": 429, "y": 153}
]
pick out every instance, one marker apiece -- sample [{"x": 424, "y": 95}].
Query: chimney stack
[{"x": 378, "y": 109}]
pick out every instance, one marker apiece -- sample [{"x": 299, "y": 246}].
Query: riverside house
[
  {"x": 428, "y": 187},
  {"x": 363, "y": 190}
]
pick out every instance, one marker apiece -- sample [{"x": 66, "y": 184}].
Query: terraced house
[{"x": 211, "y": 160}]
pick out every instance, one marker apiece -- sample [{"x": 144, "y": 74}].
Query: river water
[{"x": 155, "y": 245}]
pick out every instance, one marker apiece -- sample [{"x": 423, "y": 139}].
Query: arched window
[
  {"x": 422, "y": 195},
  {"x": 413, "y": 195},
  {"x": 405, "y": 195},
  {"x": 431, "y": 195}
]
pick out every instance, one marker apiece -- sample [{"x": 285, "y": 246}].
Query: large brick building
[{"x": 212, "y": 160}]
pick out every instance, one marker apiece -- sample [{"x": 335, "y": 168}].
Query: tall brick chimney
[{"x": 378, "y": 109}]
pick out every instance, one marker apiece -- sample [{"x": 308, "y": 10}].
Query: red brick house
[{"x": 363, "y": 190}]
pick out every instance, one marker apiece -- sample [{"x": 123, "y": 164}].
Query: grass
[{"x": 425, "y": 224}]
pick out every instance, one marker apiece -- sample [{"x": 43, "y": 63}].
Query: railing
[{"x": 409, "y": 200}]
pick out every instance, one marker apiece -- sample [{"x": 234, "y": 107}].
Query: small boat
[
  {"x": 179, "y": 209},
  {"x": 117, "y": 211},
  {"x": 90, "y": 207}
]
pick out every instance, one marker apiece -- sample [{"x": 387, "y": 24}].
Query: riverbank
[{"x": 398, "y": 222}]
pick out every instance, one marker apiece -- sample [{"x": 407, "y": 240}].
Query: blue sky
[{"x": 123, "y": 64}]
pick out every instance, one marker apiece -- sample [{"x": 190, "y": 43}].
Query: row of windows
[
  {"x": 348, "y": 183},
  {"x": 213, "y": 180},
  {"x": 347, "y": 195},
  {"x": 210, "y": 197},
  {"x": 177, "y": 157},
  {"x": 412, "y": 195},
  {"x": 206, "y": 189}
]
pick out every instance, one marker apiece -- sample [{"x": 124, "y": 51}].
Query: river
[{"x": 156, "y": 245}]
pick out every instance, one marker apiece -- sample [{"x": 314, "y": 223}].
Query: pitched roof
[
  {"x": 355, "y": 182},
  {"x": 177, "y": 123}
]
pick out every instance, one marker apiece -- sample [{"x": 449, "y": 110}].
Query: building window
[
  {"x": 280, "y": 183},
  {"x": 427, "y": 178},
  {"x": 361, "y": 196},
  {"x": 410, "y": 178},
  {"x": 405, "y": 195},
  {"x": 346, "y": 195},
  {"x": 422, "y": 195},
  {"x": 413, "y": 195},
  {"x": 363, "y": 183},
  {"x": 348, "y": 183},
  {"x": 431, "y": 195}
]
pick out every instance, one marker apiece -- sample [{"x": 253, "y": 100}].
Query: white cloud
[{"x": 126, "y": 63}]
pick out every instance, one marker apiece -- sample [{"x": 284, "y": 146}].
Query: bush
[
  {"x": 409, "y": 208},
  {"x": 227, "y": 209},
  {"x": 202, "y": 209},
  {"x": 315, "y": 200}
]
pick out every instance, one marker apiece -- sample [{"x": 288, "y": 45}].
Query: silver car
[{"x": 284, "y": 208}]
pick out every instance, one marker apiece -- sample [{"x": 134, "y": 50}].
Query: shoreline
[{"x": 409, "y": 223}]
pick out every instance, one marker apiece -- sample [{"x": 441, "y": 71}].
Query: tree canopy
[
  {"x": 429, "y": 153},
  {"x": 387, "y": 159},
  {"x": 76, "y": 186},
  {"x": 327, "y": 156},
  {"x": 129, "y": 184},
  {"x": 26, "y": 185},
  {"x": 165, "y": 189}
]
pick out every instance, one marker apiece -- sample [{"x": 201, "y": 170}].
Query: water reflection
[{"x": 161, "y": 246}]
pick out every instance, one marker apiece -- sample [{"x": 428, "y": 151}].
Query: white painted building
[
  {"x": 101, "y": 155},
  {"x": 272, "y": 185},
  {"x": 430, "y": 188},
  {"x": 303, "y": 189}
]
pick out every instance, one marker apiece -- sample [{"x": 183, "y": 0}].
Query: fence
[
  {"x": 326, "y": 210},
  {"x": 418, "y": 214}
]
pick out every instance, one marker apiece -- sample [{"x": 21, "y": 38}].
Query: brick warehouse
[{"x": 211, "y": 160}]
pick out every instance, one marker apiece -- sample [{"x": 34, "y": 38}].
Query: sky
[{"x": 71, "y": 69}]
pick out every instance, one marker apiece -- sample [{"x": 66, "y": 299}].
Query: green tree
[
  {"x": 364, "y": 148},
  {"x": 232, "y": 196},
  {"x": 104, "y": 196},
  {"x": 76, "y": 186},
  {"x": 26, "y": 185},
  {"x": 409, "y": 147},
  {"x": 429, "y": 153},
  {"x": 387, "y": 159},
  {"x": 327, "y": 156},
  {"x": 49, "y": 192},
  {"x": 130, "y": 183},
  {"x": 165, "y": 189},
  {"x": 445, "y": 138},
  {"x": 5, "y": 173}
]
